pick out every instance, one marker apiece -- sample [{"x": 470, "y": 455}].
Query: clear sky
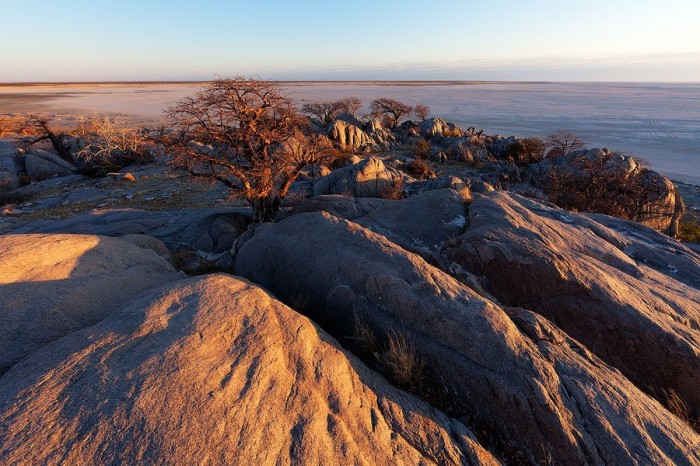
[{"x": 570, "y": 40}]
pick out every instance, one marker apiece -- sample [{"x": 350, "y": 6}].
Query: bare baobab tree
[
  {"x": 421, "y": 111},
  {"x": 247, "y": 135},
  {"x": 391, "y": 109},
  {"x": 563, "y": 142}
]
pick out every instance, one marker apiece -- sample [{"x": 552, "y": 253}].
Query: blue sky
[{"x": 92, "y": 40}]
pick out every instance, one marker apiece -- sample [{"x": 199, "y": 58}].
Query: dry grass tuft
[
  {"x": 363, "y": 337},
  {"x": 401, "y": 361}
]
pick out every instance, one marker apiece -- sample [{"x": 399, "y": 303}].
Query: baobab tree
[
  {"x": 247, "y": 135},
  {"x": 563, "y": 142},
  {"x": 326, "y": 112},
  {"x": 421, "y": 111},
  {"x": 391, "y": 109}
]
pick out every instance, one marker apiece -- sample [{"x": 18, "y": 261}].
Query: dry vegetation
[
  {"x": 108, "y": 144},
  {"x": 247, "y": 135}
]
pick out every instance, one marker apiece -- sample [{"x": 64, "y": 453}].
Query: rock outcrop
[
  {"x": 368, "y": 178},
  {"x": 597, "y": 180},
  {"x": 348, "y": 136},
  {"x": 630, "y": 294},
  {"x": 214, "y": 370},
  {"x": 433, "y": 127},
  {"x": 51, "y": 285},
  {"x": 41, "y": 165},
  {"x": 198, "y": 239},
  {"x": 539, "y": 393},
  {"x": 425, "y": 221},
  {"x": 340, "y": 206}
]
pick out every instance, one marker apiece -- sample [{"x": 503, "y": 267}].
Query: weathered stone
[
  {"x": 350, "y": 119},
  {"x": 214, "y": 370},
  {"x": 202, "y": 239},
  {"x": 368, "y": 178},
  {"x": 433, "y": 127},
  {"x": 341, "y": 206},
  {"x": 629, "y": 293},
  {"x": 348, "y": 136},
  {"x": 597, "y": 180},
  {"x": 528, "y": 384},
  {"x": 425, "y": 221},
  {"x": 438, "y": 183},
  {"x": 41, "y": 165},
  {"x": 51, "y": 285}
]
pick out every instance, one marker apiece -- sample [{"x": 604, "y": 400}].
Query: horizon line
[{"x": 335, "y": 81}]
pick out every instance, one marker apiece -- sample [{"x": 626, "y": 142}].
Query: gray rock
[
  {"x": 368, "y": 178},
  {"x": 597, "y": 180},
  {"x": 632, "y": 295},
  {"x": 8, "y": 182},
  {"x": 425, "y": 221},
  {"x": 41, "y": 165},
  {"x": 198, "y": 239},
  {"x": 8, "y": 161},
  {"x": 515, "y": 375},
  {"x": 340, "y": 206},
  {"x": 452, "y": 182},
  {"x": 437, "y": 127},
  {"x": 350, "y": 119},
  {"x": 349, "y": 137}
]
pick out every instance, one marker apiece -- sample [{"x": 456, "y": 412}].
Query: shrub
[
  {"x": 421, "y": 149},
  {"x": 420, "y": 169},
  {"x": 393, "y": 191},
  {"x": 689, "y": 232},
  {"x": 421, "y": 111},
  {"x": 563, "y": 142},
  {"x": 523, "y": 152},
  {"x": 339, "y": 158},
  {"x": 246, "y": 134},
  {"x": 363, "y": 336},
  {"x": 392, "y": 110},
  {"x": 109, "y": 144}
]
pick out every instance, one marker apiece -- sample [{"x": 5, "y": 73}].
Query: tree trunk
[{"x": 265, "y": 209}]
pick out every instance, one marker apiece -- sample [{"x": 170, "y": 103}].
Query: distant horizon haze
[{"x": 180, "y": 40}]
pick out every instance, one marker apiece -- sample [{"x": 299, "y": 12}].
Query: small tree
[
  {"x": 421, "y": 111},
  {"x": 391, "y": 109},
  {"x": 563, "y": 142},
  {"x": 325, "y": 112},
  {"x": 247, "y": 135},
  {"x": 349, "y": 105}
]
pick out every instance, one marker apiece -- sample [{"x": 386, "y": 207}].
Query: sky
[{"x": 549, "y": 40}]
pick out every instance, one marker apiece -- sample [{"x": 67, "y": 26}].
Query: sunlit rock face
[
  {"x": 51, "y": 285},
  {"x": 597, "y": 180},
  {"x": 368, "y": 178},
  {"x": 349, "y": 136},
  {"x": 214, "y": 370}
]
